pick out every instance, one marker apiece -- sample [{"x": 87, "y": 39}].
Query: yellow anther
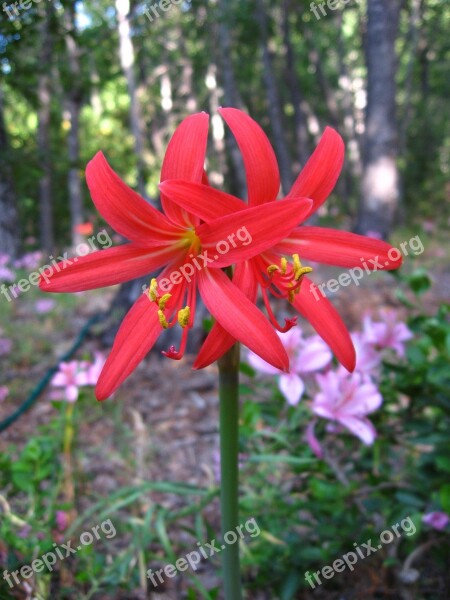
[
  {"x": 163, "y": 301},
  {"x": 184, "y": 315},
  {"x": 297, "y": 263},
  {"x": 283, "y": 264},
  {"x": 272, "y": 268},
  {"x": 162, "y": 319},
  {"x": 291, "y": 296},
  {"x": 298, "y": 269},
  {"x": 152, "y": 290},
  {"x": 303, "y": 271}
]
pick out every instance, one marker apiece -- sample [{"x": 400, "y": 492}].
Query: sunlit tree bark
[
  {"x": 274, "y": 106},
  {"x": 380, "y": 182},
  {"x": 127, "y": 60}
]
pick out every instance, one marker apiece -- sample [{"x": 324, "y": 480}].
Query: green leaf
[{"x": 445, "y": 498}]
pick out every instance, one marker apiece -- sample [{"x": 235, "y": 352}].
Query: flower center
[
  {"x": 284, "y": 280},
  {"x": 191, "y": 239}
]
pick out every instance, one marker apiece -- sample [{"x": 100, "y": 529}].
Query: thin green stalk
[{"x": 229, "y": 447}]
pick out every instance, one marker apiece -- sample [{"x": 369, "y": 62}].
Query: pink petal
[
  {"x": 361, "y": 428},
  {"x": 292, "y": 388}
]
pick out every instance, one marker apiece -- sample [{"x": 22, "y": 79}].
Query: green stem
[{"x": 229, "y": 471}]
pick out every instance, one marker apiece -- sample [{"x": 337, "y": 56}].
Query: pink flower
[
  {"x": 71, "y": 376},
  {"x": 29, "y": 261},
  {"x": 94, "y": 370},
  {"x": 347, "y": 398},
  {"x": 6, "y": 274},
  {"x": 437, "y": 520},
  {"x": 305, "y": 356},
  {"x": 391, "y": 333},
  {"x": 25, "y": 531},
  {"x": 5, "y": 346},
  {"x": 62, "y": 520},
  {"x": 4, "y": 391},
  {"x": 368, "y": 358},
  {"x": 313, "y": 442},
  {"x": 44, "y": 305}
]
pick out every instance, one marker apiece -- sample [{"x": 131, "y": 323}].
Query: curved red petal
[
  {"x": 242, "y": 236},
  {"x": 136, "y": 336},
  {"x": 325, "y": 319},
  {"x": 185, "y": 159},
  {"x": 318, "y": 177},
  {"x": 241, "y": 318},
  {"x": 219, "y": 340},
  {"x": 105, "y": 267},
  {"x": 340, "y": 248},
  {"x": 127, "y": 212},
  {"x": 263, "y": 178},
  {"x": 204, "y": 201}
]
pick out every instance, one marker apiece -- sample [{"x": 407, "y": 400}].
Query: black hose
[{"x": 28, "y": 403}]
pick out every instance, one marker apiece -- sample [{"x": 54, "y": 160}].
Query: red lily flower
[
  {"x": 270, "y": 271},
  {"x": 176, "y": 240}
]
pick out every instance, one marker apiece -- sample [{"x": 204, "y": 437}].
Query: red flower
[
  {"x": 270, "y": 271},
  {"x": 176, "y": 240}
]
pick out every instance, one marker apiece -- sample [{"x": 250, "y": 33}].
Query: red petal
[
  {"x": 235, "y": 238},
  {"x": 184, "y": 159},
  {"x": 325, "y": 319},
  {"x": 105, "y": 267},
  {"x": 339, "y": 248},
  {"x": 241, "y": 318},
  {"x": 137, "y": 334},
  {"x": 319, "y": 175},
  {"x": 263, "y": 178},
  {"x": 219, "y": 340},
  {"x": 202, "y": 200},
  {"x": 128, "y": 213}
]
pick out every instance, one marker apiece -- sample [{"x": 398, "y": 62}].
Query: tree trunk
[
  {"x": 230, "y": 94},
  {"x": 380, "y": 182},
  {"x": 300, "y": 122},
  {"x": 9, "y": 225},
  {"x": 73, "y": 103},
  {"x": 127, "y": 60},
  {"x": 46, "y": 226},
  {"x": 273, "y": 101}
]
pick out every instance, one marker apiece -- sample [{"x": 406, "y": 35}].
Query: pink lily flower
[
  {"x": 305, "y": 357},
  {"x": 71, "y": 376},
  {"x": 436, "y": 519},
  {"x": 348, "y": 399},
  {"x": 390, "y": 333},
  {"x": 368, "y": 358}
]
